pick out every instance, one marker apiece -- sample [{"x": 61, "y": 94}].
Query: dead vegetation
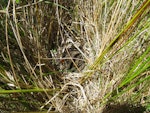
[{"x": 51, "y": 49}]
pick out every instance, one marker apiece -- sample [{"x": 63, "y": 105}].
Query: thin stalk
[{"x": 27, "y": 91}]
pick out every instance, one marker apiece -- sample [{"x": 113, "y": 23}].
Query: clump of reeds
[{"x": 74, "y": 56}]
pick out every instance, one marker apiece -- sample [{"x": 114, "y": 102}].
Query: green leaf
[
  {"x": 148, "y": 107},
  {"x": 17, "y": 1}
]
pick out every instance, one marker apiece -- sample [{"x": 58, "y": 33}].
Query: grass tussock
[{"x": 74, "y": 56}]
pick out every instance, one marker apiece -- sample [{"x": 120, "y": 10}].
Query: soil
[{"x": 123, "y": 108}]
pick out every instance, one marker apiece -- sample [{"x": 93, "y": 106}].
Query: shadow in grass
[{"x": 123, "y": 108}]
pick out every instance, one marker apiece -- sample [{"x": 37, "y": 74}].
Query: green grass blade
[
  {"x": 137, "y": 68},
  {"x": 27, "y": 90},
  {"x": 130, "y": 87},
  {"x": 146, "y": 27},
  {"x": 124, "y": 30}
]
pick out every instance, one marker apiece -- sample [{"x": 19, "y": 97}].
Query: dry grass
[{"x": 52, "y": 46}]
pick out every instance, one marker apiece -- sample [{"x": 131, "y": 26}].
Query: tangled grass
[{"x": 74, "y": 56}]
